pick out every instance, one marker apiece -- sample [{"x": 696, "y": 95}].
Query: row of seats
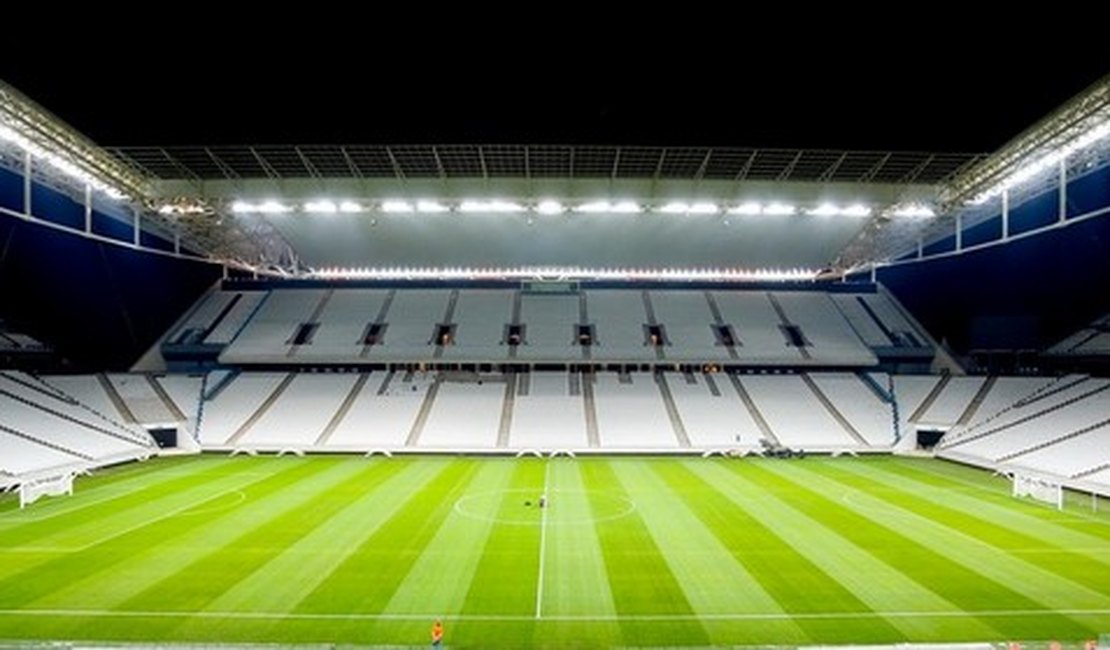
[
  {"x": 606, "y": 410},
  {"x": 482, "y": 325},
  {"x": 45, "y": 427}
]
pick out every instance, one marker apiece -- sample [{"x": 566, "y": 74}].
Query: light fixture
[
  {"x": 549, "y": 206},
  {"x": 490, "y": 206},
  {"x": 569, "y": 272},
  {"x": 395, "y": 206},
  {"x": 431, "y": 207},
  {"x": 824, "y": 210},
  {"x": 856, "y": 210},
  {"x": 780, "y": 210},
  {"x": 703, "y": 207},
  {"x": 747, "y": 208},
  {"x": 912, "y": 211},
  {"x": 321, "y": 207}
]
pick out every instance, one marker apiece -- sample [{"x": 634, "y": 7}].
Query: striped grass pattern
[{"x": 628, "y": 552}]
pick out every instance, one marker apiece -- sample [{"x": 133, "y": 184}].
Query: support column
[
  {"x": 176, "y": 242},
  {"x": 88, "y": 209},
  {"x": 1005, "y": 214},
  {"x": 136, "y": 228},
  {"x": 959, "y": 232},
  {"x": 1063, "y": 208},
  {"x": 920, "y": 248},
  {"x": 27, "y": 184}
]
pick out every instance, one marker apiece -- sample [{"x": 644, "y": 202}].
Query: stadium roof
[
  {"x": 403, "y": 162},
  {"x": 193, "y": 191}
]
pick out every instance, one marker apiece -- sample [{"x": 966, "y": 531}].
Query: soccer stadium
[{"x": 558, "y": 396}]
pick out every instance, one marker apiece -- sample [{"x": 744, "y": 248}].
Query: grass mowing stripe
[
  {"x": 506, "y": 581},
  {"x": 1009, "y": 530},
  {"x": 367, "y": 578},
  {"x": 882, "y": 587},
  {"x": 639, "y": 578},
  {"x": 958, "y": 574},
  {"x": 83, "y": 519},
  {"x": 929, "y": 568},
  {"x": 158, "y": 562},
  {"x": 998, "y": 491},
  {"x": 445, "y": 568},
  {"x": 795, "y": 582},
  {"x": 302, "y": 565},
  {"x": 712, "y": 580},
  {"x": 38, "y": 581},
  {"x": 271, "y": 519},
  {"x": 1018, "y": 574},
  {"x": 99, "y": 486},
  {"x": 575, "y": 582}
]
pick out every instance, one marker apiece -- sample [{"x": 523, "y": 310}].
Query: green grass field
[{"x": 630, "y": 552}]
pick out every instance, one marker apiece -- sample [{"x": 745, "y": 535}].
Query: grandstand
[{"x": 316, "y": 394}]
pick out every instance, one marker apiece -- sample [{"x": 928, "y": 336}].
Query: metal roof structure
[{"x": 544, "y": 161}]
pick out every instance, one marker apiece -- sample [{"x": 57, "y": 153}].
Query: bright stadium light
[
  {"x": 675, "y": 207},
  {"x": 350, "y": 207},
  {"x": 747, "y": 208},
  {"x": 912, "y": 211},
  {"x": 59, "y": 163},
  {"x": 266, "y": 207},
  {"x": 572, "y": 272},
  {"x": 490, "y": 206},
  {"x": 550, "y": 207},
  {"x": 431, "y": 207},
  {"x": 396, "y": 207},
  {"x": 321, "y": 207},
  {"x": 272, "y": 207},
  {"x": 1045, "y": 162},
  {"x": 594, "y": 207},
  {"x": 856, "y": 210},
  {"x": 824, "y": 210},
  {"x": 780, "y": 210},
  {"x": 605, "y": 207},
  {"x": 703, "y": 207}
]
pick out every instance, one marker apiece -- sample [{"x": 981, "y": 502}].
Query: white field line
[
  {"x": 543, "y": 544},
  {"x": 989, "y": 613}
]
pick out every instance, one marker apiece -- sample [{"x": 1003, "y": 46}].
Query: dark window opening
[
  {"x": 910, "y": 339},
  {"x": 445, "y": 334},
  {"x": 304, "y": 333},
  {"x": 794, "y": 336},
  {"x": 375, "y": 333},
  {"x": 655, "y": 336},
  {"x": 514, "y": 334},
  {"x": 191, "y": 336},
  {"x": 584, "y": 335},
  {"x": 725, "y": 336}
]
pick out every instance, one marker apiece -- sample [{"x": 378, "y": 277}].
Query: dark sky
[{"x": 936, "y": 89}]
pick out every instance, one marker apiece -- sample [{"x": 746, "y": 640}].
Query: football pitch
[{"x": 627, "y": 552}]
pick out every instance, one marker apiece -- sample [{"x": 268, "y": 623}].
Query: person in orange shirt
[{"x": 437, "y": 633}]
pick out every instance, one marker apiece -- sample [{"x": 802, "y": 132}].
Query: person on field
[{"x": 437, "y": 633}]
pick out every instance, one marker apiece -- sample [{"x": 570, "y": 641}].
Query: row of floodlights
[
  {"x": 567, "y": 272},
  {"x": 552, "y": 207},
  {"x": 10, "y": 135}
]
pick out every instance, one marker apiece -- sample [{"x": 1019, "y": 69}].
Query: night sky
[{"x": 934, "y": 89}]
